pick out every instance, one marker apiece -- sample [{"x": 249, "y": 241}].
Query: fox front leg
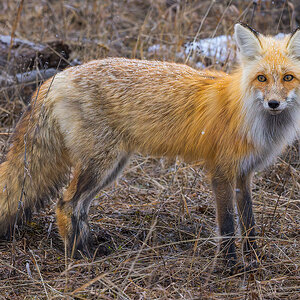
[
  {"x": 245, "y": 211},
  {"x": 224, "y": 195}
]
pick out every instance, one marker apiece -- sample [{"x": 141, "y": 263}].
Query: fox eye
[
  {"x": 261, "y": 78},
  {"x": 288, "y": 77}
]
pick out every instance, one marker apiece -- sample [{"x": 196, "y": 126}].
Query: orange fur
[{"x": 173, "y": 114}]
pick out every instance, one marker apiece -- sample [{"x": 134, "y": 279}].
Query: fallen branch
[
  {"x": 27, "y": 77},
  {"x": 35, "y": 75}
]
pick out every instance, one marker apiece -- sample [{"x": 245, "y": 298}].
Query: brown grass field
[{"x": 156, "y": 225}]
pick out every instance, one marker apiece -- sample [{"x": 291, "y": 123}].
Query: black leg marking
[
  {"x": 223, "y": 190},
  {"x": 245, "y": 210}
]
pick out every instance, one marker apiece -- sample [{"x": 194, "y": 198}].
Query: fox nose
[{"x": 273, "y": 104}]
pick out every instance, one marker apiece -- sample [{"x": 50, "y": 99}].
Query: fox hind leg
[{"x": 72, "y": 210}]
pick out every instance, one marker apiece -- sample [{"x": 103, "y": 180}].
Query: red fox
[{"x": 94, "y": 116}]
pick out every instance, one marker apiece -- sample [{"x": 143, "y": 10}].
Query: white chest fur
[{"x": 270, "y": 135}]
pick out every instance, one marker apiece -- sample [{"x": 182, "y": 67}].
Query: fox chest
[
  {"x": 258, "y": 160},
  {"x": 269, "y": 137}
]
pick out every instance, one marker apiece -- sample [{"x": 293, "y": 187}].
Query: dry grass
[{"x": 157, "y": 225}]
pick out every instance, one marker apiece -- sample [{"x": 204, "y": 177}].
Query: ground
[{"x": 156, "y": 226}]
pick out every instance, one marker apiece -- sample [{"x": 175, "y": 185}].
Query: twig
[
  {"x": 15, "y": 27},
  {"x": 41, "y": 277}
]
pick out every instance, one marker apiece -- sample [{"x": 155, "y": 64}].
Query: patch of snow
[
  {"x": 5, "y": 39},
  {"x": 280, "y": 36},
  {"x": 200, "y": 65},
  {"x": 218, "y": 48},
  {"x": 156, "y": 48}
]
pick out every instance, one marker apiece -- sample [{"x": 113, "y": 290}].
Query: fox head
[{"x": 270, "y": 69}]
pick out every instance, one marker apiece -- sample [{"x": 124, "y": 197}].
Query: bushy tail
[{"x": 36, "y": 166}]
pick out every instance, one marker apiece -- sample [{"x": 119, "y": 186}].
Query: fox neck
[{"x": 267, "y": 130}]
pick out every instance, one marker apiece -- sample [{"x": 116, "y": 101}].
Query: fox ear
[
  {"x": 247, "y": 40},
  {"x": 293, "y": 45}
]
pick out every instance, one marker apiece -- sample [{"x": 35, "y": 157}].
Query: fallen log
[
  {"x": 27, "y": 77},
  {"x": 35, "y": 75}
]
